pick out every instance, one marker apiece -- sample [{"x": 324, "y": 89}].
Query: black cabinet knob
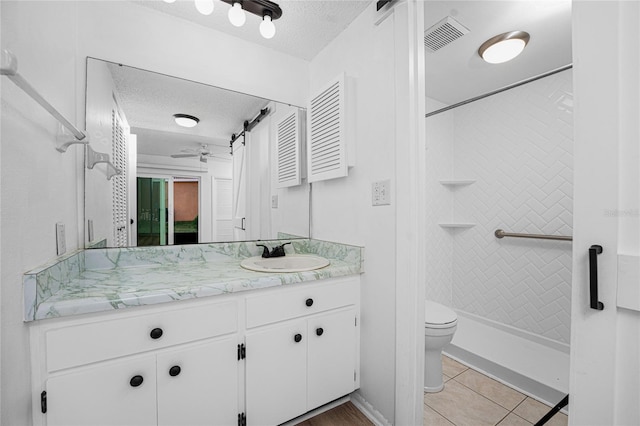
[
  {"x": 174, "y": 371},
  {"x": 319, "y": 331},
  {"x": 156, "y": 333},
  {"x": 297, "y": 338},
  {"x": 309, "y": 302},
  {"x": 136, "y": 381}
]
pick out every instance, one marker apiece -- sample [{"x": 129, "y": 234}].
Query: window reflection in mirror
[{"x": 182, "y": 185}]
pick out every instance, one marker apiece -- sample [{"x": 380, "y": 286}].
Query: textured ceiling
[
  {"x": 305, "y": 28},
  {"x": 456, "y": 72},
  {"x": 149, "y": 101}
]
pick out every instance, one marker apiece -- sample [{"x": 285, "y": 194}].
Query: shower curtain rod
[
  {"x": 495, "y": 92},
  {"x": 10, "y": 69},
  {"x": 501, "y": 234}
]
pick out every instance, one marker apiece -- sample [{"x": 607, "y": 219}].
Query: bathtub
[{"x": 531, "y": 364}]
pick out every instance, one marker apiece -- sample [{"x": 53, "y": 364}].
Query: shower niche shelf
[
  {"x": 456, "y": 182},
  {"x": 456, "y": 225}
]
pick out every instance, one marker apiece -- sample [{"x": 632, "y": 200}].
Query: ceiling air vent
[{"x": 444, "y": 32}]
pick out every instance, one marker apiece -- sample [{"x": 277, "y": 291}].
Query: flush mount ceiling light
[
  {"x": 186, "y": 120},
  {"x": 267, "y": 10},
  {"x": 503, "y": 47}
]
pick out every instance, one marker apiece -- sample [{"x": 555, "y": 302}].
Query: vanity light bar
[
  {"x": 267, "y": 10},
  {"x": 259, "y": 7}
]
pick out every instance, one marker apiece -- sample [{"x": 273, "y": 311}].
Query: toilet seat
[{"x": 439, "y": 316}]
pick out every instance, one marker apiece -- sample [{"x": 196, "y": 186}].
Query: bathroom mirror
[
  {"x": 455, "y": 31},
  {"x": 179, "y": 181}
]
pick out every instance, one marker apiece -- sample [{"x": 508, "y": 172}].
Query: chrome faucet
[{"x": 277, "y": 251}]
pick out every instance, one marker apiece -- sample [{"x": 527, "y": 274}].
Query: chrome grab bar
[{"x": 501, "y": 234}]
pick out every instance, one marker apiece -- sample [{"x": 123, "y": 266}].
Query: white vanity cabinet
[
  {"x": 168, "y": 368},
  {"x": 302, "y": 350},
  {"x": 259, "y": 358}
]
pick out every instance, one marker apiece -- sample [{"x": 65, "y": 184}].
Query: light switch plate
[
  {"x": 381, "y": 193},
  {"x": 61, "y": 243},
  {"x": 274, "y": 201}
]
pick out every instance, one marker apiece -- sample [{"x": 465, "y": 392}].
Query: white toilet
[{"x": 439, "y": 326}]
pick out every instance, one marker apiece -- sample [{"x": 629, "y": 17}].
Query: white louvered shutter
[
  {"x": 288, "y": 150},
  {"x": 326, "y": 146},
  {"x": 119, "y": 182}
]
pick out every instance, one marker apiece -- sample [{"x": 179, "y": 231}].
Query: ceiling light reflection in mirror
[{"x": 146, "y": 105}]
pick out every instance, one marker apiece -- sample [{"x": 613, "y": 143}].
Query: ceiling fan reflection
[{"x": 202, "y": 152}]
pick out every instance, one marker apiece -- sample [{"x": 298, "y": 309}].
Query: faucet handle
[{"x": 265, "y": 250}]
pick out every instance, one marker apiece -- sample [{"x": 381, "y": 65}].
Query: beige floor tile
[
  {"x": 533, "y": 410},
  {"x": 492, "y": 389},
  {"x": 452, "y": 368},
  {"x": 513, "y": 420},
  {"x": 432, "y": 418},
  {"x": 463, "y": 407}
]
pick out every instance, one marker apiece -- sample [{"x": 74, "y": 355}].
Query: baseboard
[
  {"x": 367, "y": 409},
  {"x": 319, "y": 410}
]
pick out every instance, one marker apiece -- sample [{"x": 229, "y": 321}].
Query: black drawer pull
[
  {"x": 136, "y": 381},
  {"x": 175, "y": 370},
  {"x": 297, "y": 338},
  {"x": 309, "y": 302},
  {"x": 156, "y": 333},
  {"x": 319, "y": 331}
]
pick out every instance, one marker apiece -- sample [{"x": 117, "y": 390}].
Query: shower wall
[{"x": 517, "y": 146}]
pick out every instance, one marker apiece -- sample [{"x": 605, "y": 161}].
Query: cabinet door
[
  {"x": 121, "y": 392},
  {"x": 276, "y": 373},
  {"x": 198, "y": 384},
  {"x": 331, "y": 357}
]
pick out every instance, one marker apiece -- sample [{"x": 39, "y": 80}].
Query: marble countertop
[{"x": 109, "y": 279}]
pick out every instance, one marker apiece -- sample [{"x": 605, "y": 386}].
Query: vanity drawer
[
  {"x": 299, "y": 301},
  {"x": 98, "y": 341}
]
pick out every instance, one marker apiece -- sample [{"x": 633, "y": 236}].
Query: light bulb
[
  {"x": 237, "y": 17},
  {"x": 204, "y": 6},
  {"x": 267, "y": 29}
]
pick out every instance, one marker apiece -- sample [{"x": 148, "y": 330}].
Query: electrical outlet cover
[{"x": 61, "y": 243}]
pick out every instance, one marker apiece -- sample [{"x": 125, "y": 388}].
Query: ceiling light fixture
[
  {"x": 186, "y": 120},
  {"x": 237, "y": 17},
  {"x": 265, "y": 9},
  {"x": 503, "y": 47}
]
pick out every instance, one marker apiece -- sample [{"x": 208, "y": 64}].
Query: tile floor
[{"x": 470, "y": 398}]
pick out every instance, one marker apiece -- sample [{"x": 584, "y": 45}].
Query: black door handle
[{"x": 594, "y": 251}]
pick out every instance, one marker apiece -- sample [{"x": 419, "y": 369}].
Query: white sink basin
[{"x": 288, "y": 263}]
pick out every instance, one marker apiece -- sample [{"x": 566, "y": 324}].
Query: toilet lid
[{"x": 435, "y": 313}]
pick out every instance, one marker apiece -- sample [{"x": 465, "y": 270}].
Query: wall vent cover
[
  {"x": 326, "y": 144},
  {"x": 444, "y": 32},
  {"x": 288, "y": 149}
]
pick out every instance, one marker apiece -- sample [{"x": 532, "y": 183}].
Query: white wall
[
  {"x": 439, "y": 160},
  {"x": 40, "y": 186},
  {"x": 341, "y": 208},
  {"x": 518, "y": 147}
]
